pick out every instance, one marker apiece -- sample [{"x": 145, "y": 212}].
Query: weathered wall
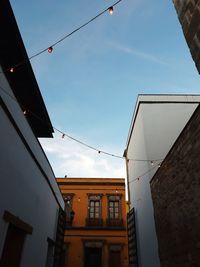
[
  {"x": 176, "y": 198},
  {"x": 24, "y": 190},
  {"x": 189, "y": 16}
]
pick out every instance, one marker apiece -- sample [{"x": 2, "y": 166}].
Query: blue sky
[{"x": 91, "y": 80}]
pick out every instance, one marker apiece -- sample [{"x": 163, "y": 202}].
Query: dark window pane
[{"x": 92, "y": 215}]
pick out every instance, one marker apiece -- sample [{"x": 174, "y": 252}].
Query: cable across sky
[{"x": 50, "y": 47}]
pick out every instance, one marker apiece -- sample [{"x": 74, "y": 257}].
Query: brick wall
[
  {"x": 189, "y": 15},
  {"x": 175, "y": 191}
]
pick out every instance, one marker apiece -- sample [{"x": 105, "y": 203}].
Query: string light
[
  {"x": 80, "y": 142},
  {"x": 152, "y": 163},
  {"x": 110, "y": 10},
  {"x": 25, "y": 112},
  {"x": 50, "y": 49},
  {"x": 142, "y": 175}
]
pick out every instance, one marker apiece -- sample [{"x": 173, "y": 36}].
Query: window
[
  {"x": 114, "y": 207},
  {"x": 94, "y": 207}
]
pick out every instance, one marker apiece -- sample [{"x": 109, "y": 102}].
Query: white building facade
[
  {"x": 157, "y": 122},
  {"x": 30, "y": 200}
]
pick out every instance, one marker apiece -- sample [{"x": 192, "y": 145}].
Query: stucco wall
[
  {"x": 24, "y": 190},
  {"x": 141, "y": 197},
  {"x": 78, "y": 233},
  {"x": 176, "y": 198}
]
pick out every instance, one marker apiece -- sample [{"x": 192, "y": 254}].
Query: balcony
[
  {"x": 114, "y": 223},
  {"x": 94, "y": 222}
]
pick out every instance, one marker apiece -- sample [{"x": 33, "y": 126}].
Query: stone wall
[
  {"x": 175, "y": 191},
  {"x": 189, "y": 15}
]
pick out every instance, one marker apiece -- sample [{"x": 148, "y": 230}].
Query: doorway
[
  {"x": 13, "y": 246},
  {"x": 114, "y": 258},
  {"x": 92, "y": 257}
]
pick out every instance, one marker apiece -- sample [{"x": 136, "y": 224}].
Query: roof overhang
[
  {"x": 22, "y": 81},
  {"x": 167, "y": 100}
]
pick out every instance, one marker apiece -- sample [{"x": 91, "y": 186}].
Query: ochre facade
[{"x": 95, "y": 234}]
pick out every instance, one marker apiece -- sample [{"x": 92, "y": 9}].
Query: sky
[{"x": 91, "y": 80}]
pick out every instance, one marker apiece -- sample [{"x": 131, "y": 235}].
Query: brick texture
[
  {"x": 175, "y": 192},
  {"x": 189, "y": 15}
]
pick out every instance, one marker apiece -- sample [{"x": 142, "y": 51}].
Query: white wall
[
  {"x": 140, "y": 198},
  {"x": 155, "y": 130},
  {"x": 23, "y": 189}
]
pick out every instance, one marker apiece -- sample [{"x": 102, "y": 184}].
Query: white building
[
  {"x": 157, "y": 122},
  {"x": 30, "y": 200}
]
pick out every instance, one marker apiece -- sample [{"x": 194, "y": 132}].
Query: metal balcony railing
[
  {"x": 95, "y": 222},
  {"x": 114, "y": 222}
]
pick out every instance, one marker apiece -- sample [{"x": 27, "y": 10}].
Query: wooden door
[
  {"x": 92, "y": 257},
  {"x": 114, "y": 259},
  {"x": 13, "y": 246}
]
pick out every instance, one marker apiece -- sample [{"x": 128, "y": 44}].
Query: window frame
[
  {"x": 114, "y": 199},
  {"x": 94, "y": 198}
]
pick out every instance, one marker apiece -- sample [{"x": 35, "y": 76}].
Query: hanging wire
[
  {"x": 50, "y": 47},
  {"x": 143, "y": 174},
  {"x": 63, "y": 134}
]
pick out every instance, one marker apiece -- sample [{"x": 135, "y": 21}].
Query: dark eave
[{"x": 22, "y": 81}]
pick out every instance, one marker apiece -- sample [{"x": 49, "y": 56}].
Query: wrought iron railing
[
  {"x": 114, "y": 222},
  {"x": 95, "y": 222}
]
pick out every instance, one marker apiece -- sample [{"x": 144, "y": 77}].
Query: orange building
[{"x": 95, "y": 234}]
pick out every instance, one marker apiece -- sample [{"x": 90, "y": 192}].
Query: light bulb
[
  {"x": 110, "y": 10},
  {"x": 50, "y": 49},
  {"x": 11, "y": 69}
]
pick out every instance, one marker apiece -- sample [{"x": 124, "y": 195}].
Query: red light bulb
[{"x": 50, "y": 49}]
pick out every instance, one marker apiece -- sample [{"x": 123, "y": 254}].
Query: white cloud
[{"x": 74, "y": 160}]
